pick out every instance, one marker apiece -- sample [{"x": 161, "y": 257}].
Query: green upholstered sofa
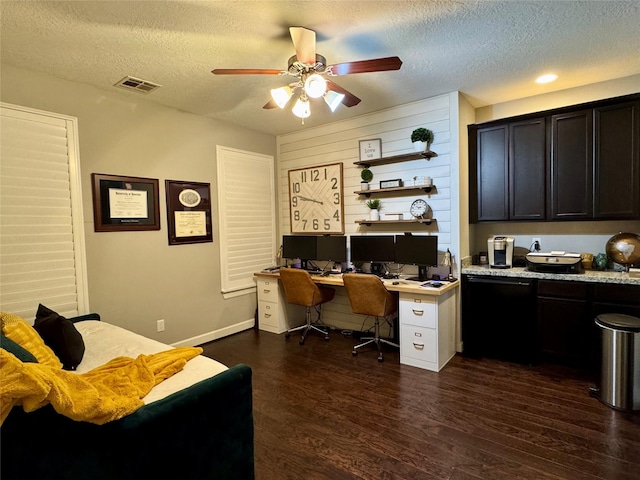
[{"x": 203, "y": 431}]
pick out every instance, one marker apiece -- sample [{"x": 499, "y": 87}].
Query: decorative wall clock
[{"x": 315, "y": 200}]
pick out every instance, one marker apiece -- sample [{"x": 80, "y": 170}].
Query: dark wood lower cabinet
[
  {"x": 563, "y": 311},
  {"x": 565, "y": 328}
]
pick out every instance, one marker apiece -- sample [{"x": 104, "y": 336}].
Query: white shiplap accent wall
[{"x": 339, "y": 142}]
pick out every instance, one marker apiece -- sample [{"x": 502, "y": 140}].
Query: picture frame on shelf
[
  {"x": 396, "y": 182},
  {"x": 370, "y": 149},
  {"x": 124, "y": 203},
  {"x": 188, "y": 212}
]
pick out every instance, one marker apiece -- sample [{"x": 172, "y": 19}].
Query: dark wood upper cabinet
[
  {"x": 492, "y": 173},
  {"x": 573, "y": 163},
  {"x": 509, "y": 172},
  {"x": 527, "y": 166},
  {"x": 617, "y": 161},
  {"x": 571, "y": 166}
]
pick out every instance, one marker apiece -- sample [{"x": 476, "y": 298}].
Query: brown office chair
[
  {"x": 368, "y": 296},
  {"x": 300, "y": 289}
]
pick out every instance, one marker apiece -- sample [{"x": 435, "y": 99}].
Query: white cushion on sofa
[{"x": 104, "y": 342}]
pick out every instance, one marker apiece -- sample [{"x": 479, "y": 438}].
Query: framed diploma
[
  {"x": 124, "y": 203},
  {"x": 188, "y": 212}
]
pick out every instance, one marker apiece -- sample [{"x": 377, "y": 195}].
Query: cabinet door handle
[
  {"x": 418, "y": 346},
  {"x": 418, "y": 313}
]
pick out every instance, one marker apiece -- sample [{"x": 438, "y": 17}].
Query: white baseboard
[{"x": 216, "y": 334}]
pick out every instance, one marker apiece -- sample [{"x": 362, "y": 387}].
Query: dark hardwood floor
[{"x": 321, "y": 413}]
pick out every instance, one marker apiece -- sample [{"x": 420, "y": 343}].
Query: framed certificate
[
  {"x": 124, "y": 203},
  {"x": 370, "y": 149},
  {"x": 188, "y": 212}
]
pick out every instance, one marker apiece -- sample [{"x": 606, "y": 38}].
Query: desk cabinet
[
  {"x": 271, "y": 304},
  {"x": 427, "y": 330}
]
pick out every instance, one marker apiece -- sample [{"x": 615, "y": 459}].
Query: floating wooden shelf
[
  {"x": 405, "y": 157},
  {"x": 426, "y": 221},
  {"x": 368, "y": 193}
]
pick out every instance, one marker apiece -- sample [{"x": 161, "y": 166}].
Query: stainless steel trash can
[{"x": 620, "y": 375}]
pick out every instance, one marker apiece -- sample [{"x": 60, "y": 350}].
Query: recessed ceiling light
[{"x": 549, "y": 77}]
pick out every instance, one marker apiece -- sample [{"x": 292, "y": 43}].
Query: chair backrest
[
  {"x": 368, "y": 295},
  {"x": 299, "y": 287}
]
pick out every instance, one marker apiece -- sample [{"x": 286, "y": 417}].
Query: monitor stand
[
  {"x": 422, "y": 274},
  {"x": 377, "y": 268}
]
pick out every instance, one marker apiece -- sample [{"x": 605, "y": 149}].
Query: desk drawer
[
  {"x": 269, "y": 314},
  {"x": 418, "y": 343},
  {"x": 268, "y": 289},
  {"x": 418, "y": 310}
]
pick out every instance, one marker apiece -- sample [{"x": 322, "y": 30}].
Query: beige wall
[
  {"x": 570, "y": 236},
  {"x": 136, "y": 278}
]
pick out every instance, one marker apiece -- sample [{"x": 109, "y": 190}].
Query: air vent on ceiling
[{"x": 132, "y": 83}]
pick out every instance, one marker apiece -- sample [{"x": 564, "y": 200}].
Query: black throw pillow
[{"x": 61, "y": 335}]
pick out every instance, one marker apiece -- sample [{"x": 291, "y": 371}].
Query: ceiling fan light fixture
[
  {"x": 301, "y": 109},
  {"x": 333, "y": 99},
  {"x": 281, "y": 95},
  {"x": 315, "y": 85}
]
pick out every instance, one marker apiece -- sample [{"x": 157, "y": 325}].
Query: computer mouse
[{"x": 395, "y": 283}]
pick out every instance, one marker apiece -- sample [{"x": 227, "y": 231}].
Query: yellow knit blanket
[{"x": 101, "y": 395}]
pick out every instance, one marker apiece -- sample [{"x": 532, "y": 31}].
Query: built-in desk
[{"x": 426, "y": 316}]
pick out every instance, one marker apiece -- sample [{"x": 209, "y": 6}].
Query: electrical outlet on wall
[
  {"x": 536, "y": 244},
  {"x": 160, "y": 325}
]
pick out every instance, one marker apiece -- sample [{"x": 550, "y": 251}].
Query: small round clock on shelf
[{"x": 418, "y": 208}]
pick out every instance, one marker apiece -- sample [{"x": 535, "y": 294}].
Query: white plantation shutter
[
  {"x": 42, "y": 250},
  {"x": 246, "y": 199}
]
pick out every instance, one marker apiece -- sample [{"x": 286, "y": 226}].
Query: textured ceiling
[{"x": 491, "y": 51}]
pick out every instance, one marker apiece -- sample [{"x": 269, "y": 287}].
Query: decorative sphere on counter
[{"x": 624, "y": 248}]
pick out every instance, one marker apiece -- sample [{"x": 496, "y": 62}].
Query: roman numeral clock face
[{"x": 315, "y": 199}]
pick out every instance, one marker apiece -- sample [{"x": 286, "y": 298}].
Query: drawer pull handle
[
  {"x": 418, "y": 312},
  {"x": 266, "y": 291},
  {"x": 417, "y": 334},
  {"x": 267, "y": 315},
  {"x": 418, "y": 346},
  {"x": 417, "y": 300}
]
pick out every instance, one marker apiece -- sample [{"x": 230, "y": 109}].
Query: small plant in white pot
[
  {"x": 374, "y": 205},
  {"x": 366, "y": 176},
  {"x": 422, "y": 139}
]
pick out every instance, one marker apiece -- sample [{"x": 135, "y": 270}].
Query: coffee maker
[{"x": 500, "y": 251}]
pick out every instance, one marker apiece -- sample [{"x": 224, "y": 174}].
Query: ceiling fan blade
[
  {"x": 246, "y": 71},
  {"x": 270, "y": 104},
  {"x": 349, "y": 99},
  {"x": 364, "y": 66},
  {"x": 304, "y": 41}
]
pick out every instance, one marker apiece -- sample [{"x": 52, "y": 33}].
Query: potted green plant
[
  {"x": 366, "y": 175},
  {"x": 422, "y": 139},
  {"x": 374, "y": 205}
]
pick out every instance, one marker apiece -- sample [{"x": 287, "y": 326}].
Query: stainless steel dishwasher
[{"x": 499, "y": 318}]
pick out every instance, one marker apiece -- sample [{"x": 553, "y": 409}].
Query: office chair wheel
[
  {"x": 326, "y": 336},
  {"x": 301, "y": 342},
  {"x": 380, "y": 358},
  {"x": 354, "y": 353},
  {"x": 287, "y": 335}
]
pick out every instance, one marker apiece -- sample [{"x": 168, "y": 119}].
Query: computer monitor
[
  {"x": 372, "y": 248},
  {"x": 420, "y": 250},
  {"x": 332, "y": 248},
  {"x": 300, "y": 246}
]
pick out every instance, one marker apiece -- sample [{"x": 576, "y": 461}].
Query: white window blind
[
  {"x": 247, "y": 213},
  {"x": 42, "y": 250}
]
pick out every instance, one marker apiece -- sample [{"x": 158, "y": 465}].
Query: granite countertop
[{"x": 586, "y": 276}]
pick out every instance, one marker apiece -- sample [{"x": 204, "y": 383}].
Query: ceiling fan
[{"x": 310, "y": 70}]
